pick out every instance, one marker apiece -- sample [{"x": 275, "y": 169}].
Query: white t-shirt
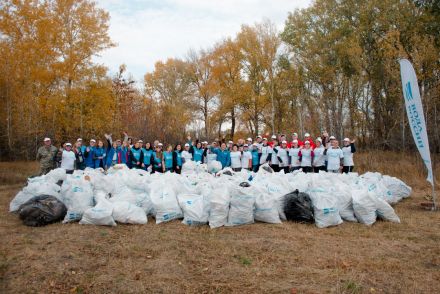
[
  {"x": 348, "y": 156},
  {"x": 274, "y": 158},
  {"x": 306, "y": 157},
  {"x": 235, "y": 159},
  {"x": 68, "y": 160},
  {"x": 246, "y": 156},
  {"x": 293, "y": 153},
  {"x": 282, "y": 153},
  {"x": 265, "y": 151},
  {"x": 186, "y": 156},
  {"x": 334, "y": 158},
  {"x": 319, "y": 156}
]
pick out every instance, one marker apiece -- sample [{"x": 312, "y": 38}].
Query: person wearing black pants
[{"x": 348, "y": 150}]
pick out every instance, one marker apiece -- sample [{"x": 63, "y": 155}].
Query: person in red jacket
[
  {"x": 308, "y": 138},
  {"x": 295, "y": 137}
]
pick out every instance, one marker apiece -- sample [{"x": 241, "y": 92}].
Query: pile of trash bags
[{"x": 204, "y": 195}]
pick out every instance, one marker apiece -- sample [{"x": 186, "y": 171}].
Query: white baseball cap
[
  {"x": 93, "y": 140},
  {"x": 230, "y": 142},
  {"x": 264, "y": 139},
  {"x": 346, "y": 140},
  {"x": 186, "y": 145},
  {"x": 160, "y": 144},
  {"x": 319, "y": 139},
  {"x": 140, "y": 141},
  {"x": 259, "y": 136},
  {"x": 245, "y": 145},
  {"x": 79, "y": 139},
  {"x": 307, "y": 135},
  {"x": 249, "y": 139},
  {"x": 284, "y": 142},
  {"x": 46, "y": 139},
  {"x": 332, "y": 138},
  {"x": 295, "y": 134},
  {"x": 274, "y": 137},
  {"x": 307, "y": 142},
  {"x": 204, "y": 142},
  {"x": 295, "y": 141},
  {"x": 68, "y": 144}
]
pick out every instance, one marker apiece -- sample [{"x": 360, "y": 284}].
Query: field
[{"x": 259, "y": 258}]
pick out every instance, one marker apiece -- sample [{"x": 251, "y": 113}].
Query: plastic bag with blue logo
[
  {"x": 364, "y": 205},
  {"x": 164, "y": 202},
  {"x": 128, "y": 213},
  {"x": 77, "y": 195},
  {"x": 241, "y": 211},
  {"x": 219, "y": 206},
  {"x": 325, "y": 205},
  {"x": 100, "y": 214},
  {"x": 195, "y": 209}
]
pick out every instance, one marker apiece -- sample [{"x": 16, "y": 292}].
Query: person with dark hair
[
  {"x": 275, "y": 162},
  {"x": 223, "y": 154},
  {"x": 79, "y": 153},
  {"x": 148, "y": 154},
  {"x": 255, "y": 157},
  {"x": 348, "y": 150},
  {"x": 177, "y": 158},
  {"x": 235, "y": 158},
  {"x": 136, "y": 155},
  {"x": 99, "y": 155}
]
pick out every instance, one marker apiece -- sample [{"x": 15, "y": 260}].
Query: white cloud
[{"x": 150, "y": 30}]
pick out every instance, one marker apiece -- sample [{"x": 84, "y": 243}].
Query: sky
[{"x": 147, "y": 31}]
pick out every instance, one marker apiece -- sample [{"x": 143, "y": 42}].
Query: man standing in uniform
[{"x": 46, "y": 155}]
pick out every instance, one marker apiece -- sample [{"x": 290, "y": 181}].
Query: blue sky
[{"x": 147, "y": 31}]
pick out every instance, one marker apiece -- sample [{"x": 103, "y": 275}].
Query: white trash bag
[
  {"x": 100, "y": 215},
  {"x": 364, "y": 205},
  {"x": 77, "y": 195},
  {"x": 127, "y": 213},
  {"x": 325, "y": 208},
  {"x": 385, "y": 212},
  {"x": 219, "y": 207},
  {"x": 266, "y": 208},
  {"x": 214, "y": 166},
  {"x": 241, "y": 211},
  {"x": 195, "y": 209},
  {"x": 165, "y": 202}
]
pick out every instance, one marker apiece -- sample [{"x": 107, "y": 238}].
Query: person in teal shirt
[
  {"x": 255, "y": 158},
  {"x": 197, "y": 152},
  {"x": 148, "y": 154},
  {"x": 99, "y": 155},
  {"x": 168, "y": 159},
  {"x": 178, "y": 158},
  {"x": 223, "y": 155}
]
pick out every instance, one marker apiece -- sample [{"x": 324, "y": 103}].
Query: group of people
[{"x": 308, "y": 155}]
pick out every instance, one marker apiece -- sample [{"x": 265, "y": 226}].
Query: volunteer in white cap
[
  {"x": 295, "y": 137},
  {"x": 335, "y": 156},
  {"x": 348, "y": 151},
  {"x": 266, "y": 152},
  {"x": 283, "y": 156},
  {"x": 295, "y": 164},
  {"x": 46, "y": 155},
  {"x": 186, "y": 155},
  {"x": 246, "y": 157},
  {"x": 255, "y": 151},
  {"x": 306, "y": 157},
  {"x": 68, "y": 159},
  {"x": 307, "y": 137},
  {"x": 274, "y": 160},
  {"x": 319, "y": 161}
]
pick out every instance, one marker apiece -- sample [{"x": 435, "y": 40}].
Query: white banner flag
[{"x": 414, "y": 110}]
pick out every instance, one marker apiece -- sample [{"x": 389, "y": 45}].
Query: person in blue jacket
[
  {"x": 255, "y": 158},
  {"x": 113, "y": 154},
  {"x": 223, "y": 155},
  {"x": 136, "y": 155},
  {"x": 168, "y": 159},
  {"x": 89, "y": 154},
  {"x": 148, "y": 154},
  {"x": 99, "y": 155},
  {"x": 177, "y": 159}
]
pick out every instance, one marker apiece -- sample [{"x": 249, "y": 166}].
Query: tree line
[{"x": 334, "y": 67}]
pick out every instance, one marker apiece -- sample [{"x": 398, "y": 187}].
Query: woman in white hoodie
[{"x": 68, "y": 159}]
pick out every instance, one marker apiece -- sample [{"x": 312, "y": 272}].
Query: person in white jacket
[
  {"x": 295, "y": 164},
  {"x": 335, "y": 157},
  {"x": 283, "y": 157},
  {"x": 246, "y": 157},
  {"x": 348, "y": 150},
  {"x": 319, "y": 162},
  {"x": 68, "y": 159},
  {"x": 235, "y": 158}
]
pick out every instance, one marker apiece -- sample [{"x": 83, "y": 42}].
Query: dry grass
[{"x": 259, "y": 258}]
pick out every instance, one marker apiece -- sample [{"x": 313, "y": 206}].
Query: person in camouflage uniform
[{"x": 46, "y": 155}]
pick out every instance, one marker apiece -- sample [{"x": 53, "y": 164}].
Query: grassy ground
[{"x": 259, "y": 258}]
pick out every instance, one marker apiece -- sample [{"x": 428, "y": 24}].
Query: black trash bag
[
  {"x": 244, "y": 184},
  {"x": 298, "y": 207},
  {"x": 227, "y": 173},
  {"x": 42, "y": 210}
]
